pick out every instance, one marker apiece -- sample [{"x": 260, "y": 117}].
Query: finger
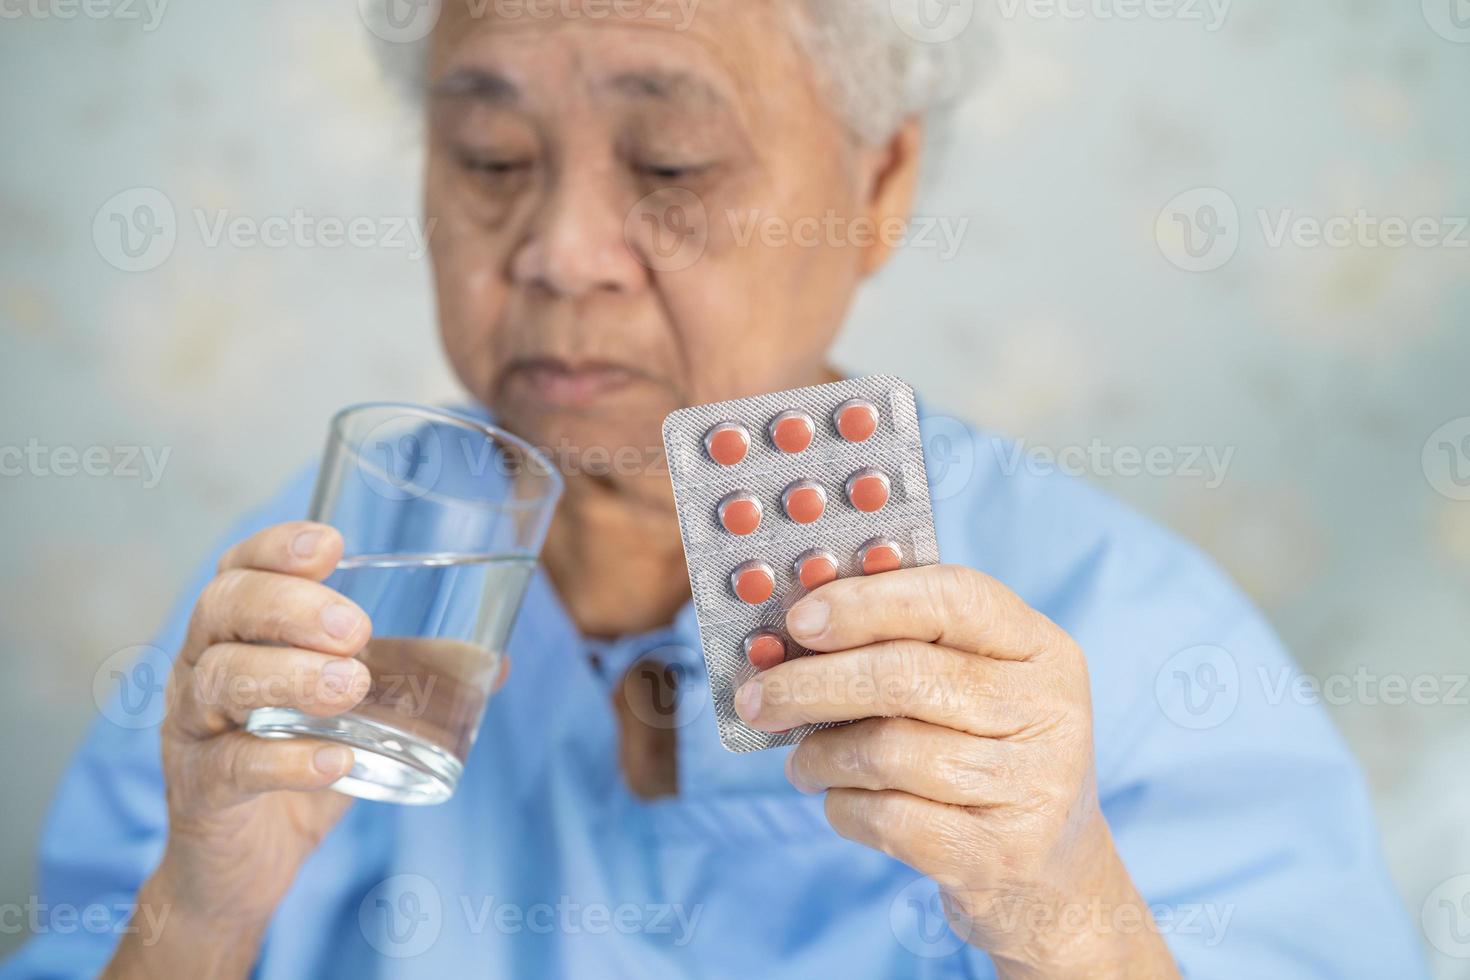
[
  {"x": 270, "y": 607},
  {"x": 920, "y": 833},
  {"x": 895, "y": 678},
  {"x": 923, "y": 760},
  {"x": 237, "y": 766},
  {"x": 945, "y": 604},
  {"x": 233, "y": 679},
  {"x": 301, "y": 548}
]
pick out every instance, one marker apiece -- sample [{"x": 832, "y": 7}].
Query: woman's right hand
[{"x": 245, "y": 812}]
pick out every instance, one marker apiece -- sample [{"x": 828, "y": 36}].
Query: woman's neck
[{"x": 615, "y": 557}]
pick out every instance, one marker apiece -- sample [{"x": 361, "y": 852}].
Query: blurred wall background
[{"x": 1136, "y": 291}]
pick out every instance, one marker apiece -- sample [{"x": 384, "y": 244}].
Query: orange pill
[
  {"x": 868, "y": 490},
  {"x": 740, "y": 513},
  {"x": 765, "y": 649},
  {"x": 727, "y": 443},
  {"x": 856, "y": 420},
  {"x": 879, "y": 555},
  {"x": 753, "y": 582},
  {"x": 792, "y": 432},
  {"x": 804, "y": 502},
  {"x": 816, "y": 568}
]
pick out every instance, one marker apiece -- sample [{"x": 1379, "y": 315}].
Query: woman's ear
[{"x": 892, "y": 175}]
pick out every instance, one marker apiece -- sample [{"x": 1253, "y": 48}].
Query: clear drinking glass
[{"x": 443, "y": 517}]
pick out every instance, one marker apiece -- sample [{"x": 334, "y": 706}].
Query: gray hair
[{"x": 881, "y": 62}]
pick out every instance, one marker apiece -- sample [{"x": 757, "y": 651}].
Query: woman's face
[{"x": 635, "y": 214}]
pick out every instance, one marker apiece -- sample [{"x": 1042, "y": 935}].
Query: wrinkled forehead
[{"x": 695, "y": 54}]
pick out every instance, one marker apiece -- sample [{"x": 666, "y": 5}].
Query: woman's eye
[
  {"x": 496, "y": 168},
  {"x": 670, "y": 171}
]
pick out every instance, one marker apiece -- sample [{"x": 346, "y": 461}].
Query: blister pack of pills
[{"x": 780, "y": 494}]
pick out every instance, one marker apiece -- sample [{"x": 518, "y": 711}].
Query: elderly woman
[{"x": 1062, "y": 801}]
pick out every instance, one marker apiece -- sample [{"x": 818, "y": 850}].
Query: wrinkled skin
[{"x": 969, "y": 759}]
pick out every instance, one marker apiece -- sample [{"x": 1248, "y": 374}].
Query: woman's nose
[{"x": 576, "y": 244}]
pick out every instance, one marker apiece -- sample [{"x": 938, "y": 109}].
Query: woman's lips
[{"x": 566, "y": 385}]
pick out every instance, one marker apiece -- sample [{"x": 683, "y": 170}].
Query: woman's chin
[{"x": 623, "y": 442}]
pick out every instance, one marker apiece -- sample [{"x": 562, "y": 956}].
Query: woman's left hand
[{"x": 969, "y": 759}]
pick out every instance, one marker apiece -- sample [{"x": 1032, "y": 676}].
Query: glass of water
[{"x": 443, "y": 517}]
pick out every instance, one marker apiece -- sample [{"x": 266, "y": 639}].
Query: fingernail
[
  {"x": 340, "y": 675},
  {"x": 304, "y": 545},
  {"x": 792, "y": 778},
  {"x": 748, "y": 701},
  {"x": 808, "y": 618},
  {"x": 330, "y": 760},
  {"x": 340, "y": 620}
]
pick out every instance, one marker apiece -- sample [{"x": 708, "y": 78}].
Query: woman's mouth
[{"x": 563, "y": 384}]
